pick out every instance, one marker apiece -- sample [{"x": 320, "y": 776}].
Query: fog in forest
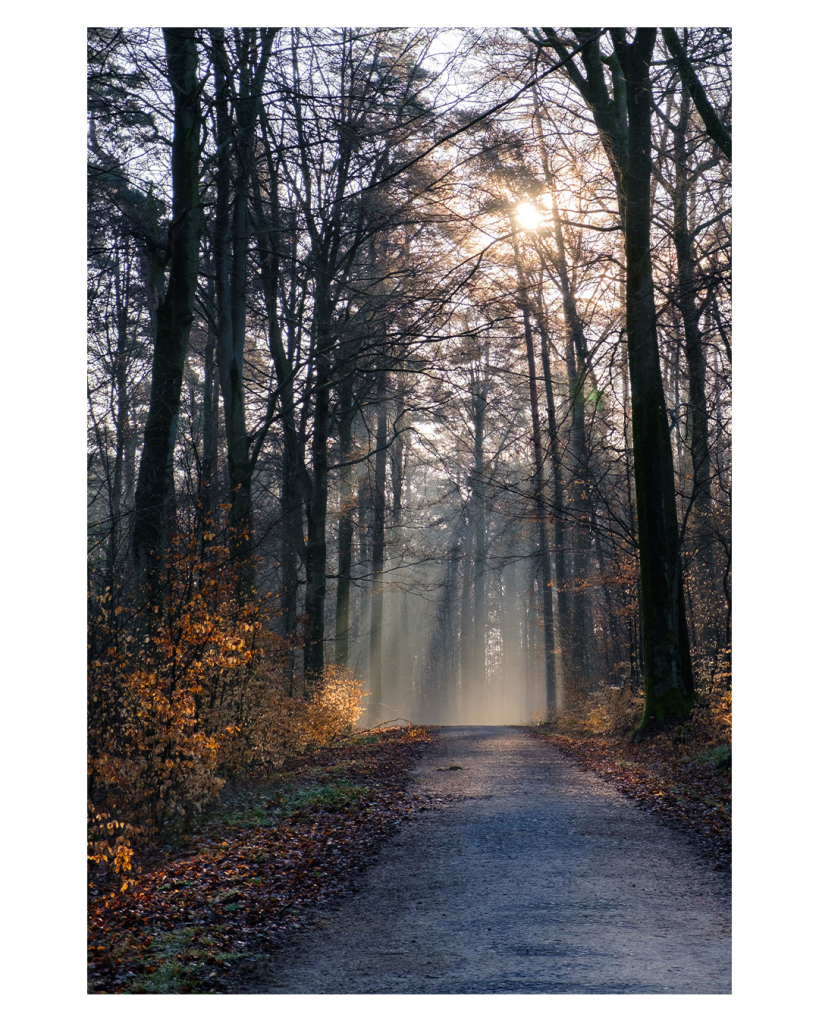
[
  {"x": 434, "y": 667},
  {"x": 401, "y": 398},
  {"x": 429, "y": 673}
]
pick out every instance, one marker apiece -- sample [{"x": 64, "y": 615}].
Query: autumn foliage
[
  {"x": 187, "y": 692},
  {"x": 253, "y": 868},
  {"x": 616, "y": 710}
]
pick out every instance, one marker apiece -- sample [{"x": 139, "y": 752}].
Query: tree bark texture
[
  {"x": 668, "y": 676},
  {"x": 623, "y": 120},
  {"x": 174, "y": 312}
]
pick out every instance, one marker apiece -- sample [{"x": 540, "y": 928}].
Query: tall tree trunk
[
  {"x": 363, "y": 537},
  {"x": 316, "y": 546},
  {"x": 623, "y": 120},
  {"x": 345, "y": 524},
  {"x": 562, "y": 630},
  {"x": 174, "y": 311},
  {"x": 668, "y": 677},
  {"x": 543, "y": 559},
  {"x": 441, "y": 676},
  {"x": 513, "y": 631},
  {"x": 397, "y": 456},
  {"x": 231, "y": 258},
  {"x": 575, "y": 615},
  {"x": 579, "y": 488},
  {"x": 467, "y": 699},
  {"x": 479, "y": 514},
  {"x": 379, "y": 522},
  {"x": 635, "y": 639},
  {"x": 122, "y": 415},
  {"x": 295, "y": 482},
  {"x": 694, "y": 353},
  {"x": 534, "y": 669},
  {"x": 210, "y": 428},
  {"x": 540, "y": 511}
]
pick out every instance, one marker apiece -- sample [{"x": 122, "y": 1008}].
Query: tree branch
[{"x": 713, "y": 125}]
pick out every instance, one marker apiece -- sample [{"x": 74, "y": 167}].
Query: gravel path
[{"x": 532, "y": 877}]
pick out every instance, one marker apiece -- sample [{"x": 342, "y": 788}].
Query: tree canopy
[{"x": 415, "y": 345}]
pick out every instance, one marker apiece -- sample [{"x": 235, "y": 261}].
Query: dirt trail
[{"x": 533, "y": 877}]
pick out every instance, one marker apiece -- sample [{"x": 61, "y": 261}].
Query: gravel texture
[{"x": 529, "y": 876}]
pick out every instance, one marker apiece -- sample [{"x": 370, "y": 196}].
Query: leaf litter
[{"x": 250, "y": 874}]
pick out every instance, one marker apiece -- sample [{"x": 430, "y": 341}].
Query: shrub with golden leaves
[
  {"x": 109, "y": 842},
  {"x": 609, "y": 711},
  {"x": 150, "y": 673},
  {"x": 187, "y": 692},
  {"x": 334, "y": 707},
  {"x": 712, "y": 717},
  {"x": 273, "y": 717}
]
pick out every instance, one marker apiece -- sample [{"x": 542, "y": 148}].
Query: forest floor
[
  {"x": 249, "y": 873},
  {"x": 209, "y": 909}
]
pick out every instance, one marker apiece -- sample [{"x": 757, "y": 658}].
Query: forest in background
[{"x": 409, "y": 373}]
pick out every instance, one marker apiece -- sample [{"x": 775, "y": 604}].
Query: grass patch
[
  {"x": 333, "y": 796},
  {"x": 324, "y": 788},
  {"x": 179, "y": 961},
  {"x": 719, "y": 757},
  {"x": 251, "y": 817}
]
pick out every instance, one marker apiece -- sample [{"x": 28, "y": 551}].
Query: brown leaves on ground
[
  {"x": 689, "y": 790},
  {"x": 239, "y": 883}
]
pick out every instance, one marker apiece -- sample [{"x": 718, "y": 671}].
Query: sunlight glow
[{"x": 530, "y": 217}]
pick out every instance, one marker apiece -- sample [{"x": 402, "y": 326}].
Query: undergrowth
[
  {"x": 615, "y": 712},
  {"x": 188, "y": 695},
  {"x": 205, "y": 903}
]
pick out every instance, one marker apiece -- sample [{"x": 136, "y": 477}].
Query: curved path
[{"x": 532, "y": 877}]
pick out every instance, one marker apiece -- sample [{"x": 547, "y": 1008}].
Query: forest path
[{"x": 532, "y": 877}]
